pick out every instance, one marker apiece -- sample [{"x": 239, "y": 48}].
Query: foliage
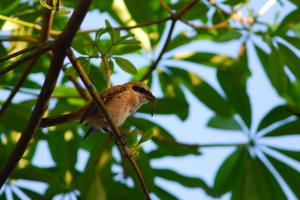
[{"x": 245, "y": 173}]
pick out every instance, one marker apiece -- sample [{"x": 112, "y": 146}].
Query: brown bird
[{"x": 120, "y": 101}]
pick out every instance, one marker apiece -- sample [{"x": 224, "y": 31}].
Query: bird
[{"x": 120, "y": 101}]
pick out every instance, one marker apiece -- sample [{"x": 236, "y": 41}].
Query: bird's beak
[{"x": 152, "y": 99}]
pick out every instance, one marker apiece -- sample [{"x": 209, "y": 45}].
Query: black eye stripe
[{"x": 138, "y": 89}]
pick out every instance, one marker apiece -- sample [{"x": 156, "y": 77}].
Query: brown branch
[
  {"x": 125, "y": 151},
  {"x": 23, "y": 51},
  {"x": 155, "y": 63},
  {"x": 141, "y": 25},
  {"x": 34, "y": 54},
  {"x": 221, "y": 25},
  {"x": 164, "y": 4},
  {"x": 16, "y": 88},
  {"x": 176, "y": 16},
  {"x": 18, "y": 39},
  {"x": 184, "y": 9},
  {"x": 57, "y": 33},
  {"x": 59, "y": 50}
]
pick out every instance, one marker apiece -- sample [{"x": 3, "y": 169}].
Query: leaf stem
[{"x": 107, "y": 70}]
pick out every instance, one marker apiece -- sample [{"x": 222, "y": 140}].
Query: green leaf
[
  {"x": 275, "y": 115},
  {"x": 167, "y": 106},
  {"x": 164, "y": 148},
  {"x": 187, "y": 181},
  {"x": 290, "y": 175},
  {"x": 163, "y": 194},
  {"x": 295, "y": 41},
  {"x": 274, "y": 69},
  {"x": 198, "y": 11},
  {"x": 229, "y": 35},
  {"x": 114, "y": 34},
  {"x": 30, "y": 193},
  {"x": 96, "y": 190},
  {"x": 46, "y": 175},
  {"x": 227, "y": 123},
  {"x": 234, "y": 82},
  {"x": 291, "y": 59},
  {"x": 246, "y": 178},
  {"x": 19, "y": 113},
  {"x": 123, "y": 47},
  {"x": 84, "y": 44},
  {"x": 290, "y": 153},
  {"x": 63, "y": 147},
  {"x": 206, "y": 59},
  {"x": 140, "y": 10},
  {"x": 203, "y": 91},
  {"x": 290, "y": 128},
  {"x": 126, "y": 65},
  {"x": 145, "y": 137},
  {"x": 290, "y": 20},
  {"x": 234, "y": 2}
]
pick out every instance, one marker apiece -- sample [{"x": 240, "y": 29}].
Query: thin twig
[
  {"x": 12, "y": 38},
  {"x": 16, "y": 88},
  {"x": 155, "y": 63},
  {"x": 107, "y": 70},
  {"x": 126, "y": 152},
  {"x": 34, "y": 54},
  {"x": 57, "y": 33},
  {"x": 141, "y": 25},
  {"x": 176, "y": 16},
  {"x": 164, "y": 4},
  {"x": 59, "y": 50},
  {"x": 23, "y": 51}
]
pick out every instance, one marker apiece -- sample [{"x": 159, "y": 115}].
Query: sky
[{"x": 194, "y": 130}]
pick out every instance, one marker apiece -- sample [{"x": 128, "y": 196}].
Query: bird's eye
[
  {"x": 138, "y": 89},
  {"x": 142, "y": 89}
]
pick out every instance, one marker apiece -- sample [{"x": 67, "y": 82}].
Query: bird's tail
[{"x": 60, "y": 119}]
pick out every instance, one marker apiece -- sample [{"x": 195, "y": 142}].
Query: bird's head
[{"x": 142, "y": 91}]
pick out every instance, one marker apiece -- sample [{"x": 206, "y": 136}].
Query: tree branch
[
  {"x": 126, "y": 152},
  {"x": 35, "y": 53},
  {"x": 13, "y": 38},
  {"x": 155, "y": 63},
  {"x": 23, "y": 51},
  {"x": 59, "y": 50}
]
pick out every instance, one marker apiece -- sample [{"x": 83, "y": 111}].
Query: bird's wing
[{"x": 107, "y": 96}]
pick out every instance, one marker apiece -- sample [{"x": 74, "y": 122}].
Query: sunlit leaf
[
  {"x": 126, "y": 65},
  {"x": 145, "y": 137}
]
